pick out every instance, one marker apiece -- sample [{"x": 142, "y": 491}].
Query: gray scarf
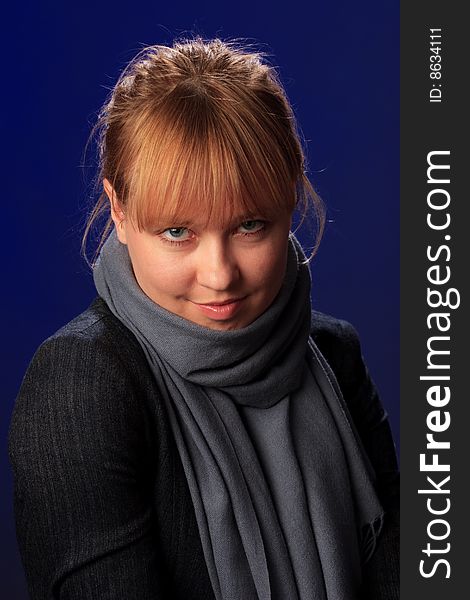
[{"x": 282, "y": 490}]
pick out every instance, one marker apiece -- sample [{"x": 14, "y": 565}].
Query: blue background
[{"x": 339, "y": 62}]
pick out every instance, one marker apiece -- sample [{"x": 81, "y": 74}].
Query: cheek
[
  {"x": 169, "y": 274},
  {"x": 267, "y": 268},
  {"x": 157, "y": 269}
]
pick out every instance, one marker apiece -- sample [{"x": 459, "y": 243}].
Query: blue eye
[
  {"x": 175, "y": 235},
  {"x": 249, "y": 224},
  {"x": 176, "y": 232},
  {"x": 252, "y": 226}
]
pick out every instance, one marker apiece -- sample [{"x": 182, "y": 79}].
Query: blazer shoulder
[
  {"x": 334, "y": 337},
  {"x": 96, "y": 323},
  {"x": 324, "y": 325},
  {"x": 97, "y": 329},
  {"x": 86, "y": 372},
  {"x": 91, "y": 362}
]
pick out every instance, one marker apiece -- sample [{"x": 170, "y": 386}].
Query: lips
[
  {"x": 220, "y": 303},
  {"x": 221, "y": 310}
]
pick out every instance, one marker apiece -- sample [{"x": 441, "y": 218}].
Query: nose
[{"x": 217, "y": 267}]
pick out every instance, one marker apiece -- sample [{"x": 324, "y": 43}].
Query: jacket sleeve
[
  {"x": 83, "y": 514},
  {"x": 339, "y": 343}
]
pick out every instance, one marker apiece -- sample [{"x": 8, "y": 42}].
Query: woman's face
[{"x": 221, "y": 278}]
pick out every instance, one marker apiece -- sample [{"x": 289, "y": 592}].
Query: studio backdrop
[{"x": 339, "y": 62}]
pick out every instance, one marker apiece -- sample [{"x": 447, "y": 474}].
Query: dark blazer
[{"x": 102, "y": 506}]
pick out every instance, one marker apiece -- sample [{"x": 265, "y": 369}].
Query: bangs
[{"x": 206, "y": 158}]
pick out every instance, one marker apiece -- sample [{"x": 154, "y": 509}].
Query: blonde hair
[{"x": 202, "y": 125}]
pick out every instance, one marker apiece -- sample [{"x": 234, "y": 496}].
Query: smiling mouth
[
  {"x": 221, "y": 310},
  {"x": 229, "y": 301}
]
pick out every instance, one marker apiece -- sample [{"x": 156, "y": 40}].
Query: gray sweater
[{"x": 102, "y": 506}]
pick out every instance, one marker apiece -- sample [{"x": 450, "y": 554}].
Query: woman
[{"x": 199, "y": 432}]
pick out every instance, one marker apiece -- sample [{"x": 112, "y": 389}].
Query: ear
[{"x": 117, "y": 213}]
